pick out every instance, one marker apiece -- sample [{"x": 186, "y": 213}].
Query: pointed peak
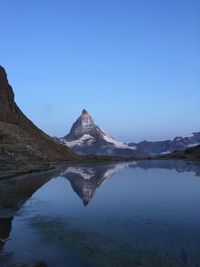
[
  {"x": 2, "y": 69},
  {"x": 84, "y": 112},
  {"x": 86, "y": 202},
  {"x": 3, "y": 75}
]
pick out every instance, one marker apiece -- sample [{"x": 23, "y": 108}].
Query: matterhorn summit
[
  {"x": 86, "y": 138},
  {"x": 84, "y": 126}
]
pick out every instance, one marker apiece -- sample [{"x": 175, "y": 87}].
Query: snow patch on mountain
[
  {"x": 116, "y": 143},
  {"x": 117, "y": 167},
  {"x": 164, "y": 153},
  {"x": 86, "y": 138},
  {"x": 193, "y": 145},
  {"x": 86, "y": 173}
]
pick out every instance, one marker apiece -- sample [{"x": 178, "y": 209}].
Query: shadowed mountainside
[
  {"x": 168, "y": 146},
  {"x": 21, "y": 142},
  {"x": 192, "y": 153}
]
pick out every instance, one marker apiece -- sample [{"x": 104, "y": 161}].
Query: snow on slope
[
  {"x": 116, "y": 168},
  {"x": 85, "y": 134},
  {"x": 86, "y": 138},
  {"x": 116, "y": 143},
  {"x": 192, "y": 145},
  {"x": 86, "y": 173},
  {"x": 89, "y": 172}
]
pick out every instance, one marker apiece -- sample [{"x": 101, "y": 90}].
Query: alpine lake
[{"x": 129, "y": 214}]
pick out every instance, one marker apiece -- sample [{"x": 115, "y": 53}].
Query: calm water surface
[{"x": 125, "y": 214}]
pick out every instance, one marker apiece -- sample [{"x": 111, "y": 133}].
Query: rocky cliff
[{"x": 21, "y": 142}]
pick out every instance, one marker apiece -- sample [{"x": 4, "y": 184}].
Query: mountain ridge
[
  {"x": 87, "y": 138},
  {"x": 21, "y": 142},
  {"x": 168, "y": 146}
]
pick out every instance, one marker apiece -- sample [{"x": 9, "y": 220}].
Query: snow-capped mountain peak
[
  {"x": 85, "y": 137},
  {"x": 116, "y": 143},
  {"x": 84, "y": 112},
  {"x": 86, "y": 118},
  {"x": 84, "y": 125}
]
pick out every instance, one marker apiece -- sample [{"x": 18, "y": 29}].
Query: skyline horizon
[
  {"x": 86, "y": 110},
  {"x": 133, "y": 65},
  {"x": 121, "y": 138}
]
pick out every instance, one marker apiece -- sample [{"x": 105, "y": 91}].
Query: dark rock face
[
  {"x": 153, "y": 147},
  {"x": 83, "y": 125},
  {"x": 9, "y": 112},
  {"x": 86, "y": 138},
  {"x": 21, "y": 142},
  {"x": 192, "y": 153},
  {"x": 5, "y": 229}
]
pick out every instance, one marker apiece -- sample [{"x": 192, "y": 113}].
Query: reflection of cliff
[
  {"x": 85, "y": 179},
  {"x": 5, "y": 229},
  {"x": 13, "y": 194},
  {"x": 16, "y": 191}
]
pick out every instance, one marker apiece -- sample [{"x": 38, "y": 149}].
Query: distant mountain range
[
  {"x": 85, "y": 137},
  {"x": 168, "y": 146},
  {"x": 190, "y": 153},
  {"x": 23, "y": 144}
]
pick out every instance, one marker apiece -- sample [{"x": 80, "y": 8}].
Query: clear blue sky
[{"x": 134, "y": 65}]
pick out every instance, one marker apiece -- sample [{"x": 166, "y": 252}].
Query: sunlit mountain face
[{"x": 85, "y": 137}]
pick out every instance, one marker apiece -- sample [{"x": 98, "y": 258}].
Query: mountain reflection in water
[
  {"x": 86, "y": 179},
  {"x": 61, "y": 222}
]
